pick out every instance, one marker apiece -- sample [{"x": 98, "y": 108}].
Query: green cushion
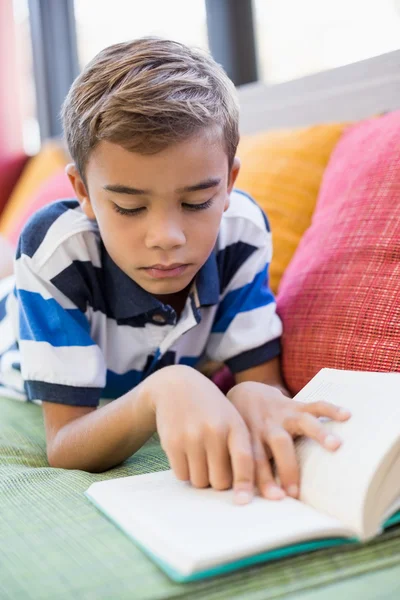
[{"x": 55, "y": 544}]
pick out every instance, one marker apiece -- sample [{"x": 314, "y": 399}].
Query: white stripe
[
  {"x": 240, "y": 229},
  {"x": 6, "y": 361},
  {"x": 240, "y": 205},
  {"x": 194, "y": 341},
  {"x": 68, "y": 224},
  {"x": 29, "y": 280},
  {"x": 7, "y": 392},
  {"x": 7, "y": 334},
  {"x": 125, "y": 347},
  {"x": 6, "y": 286},
  {"x": 248, "y": 330},
  {"x": 186, "y": 322},
  {"x": 82, "y": 246},
  {"x": 64, "y": 365}
]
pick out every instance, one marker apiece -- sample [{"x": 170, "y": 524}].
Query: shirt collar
[
  {"x": 128, "y": 299},
  {"x": 207, "y": 282}
]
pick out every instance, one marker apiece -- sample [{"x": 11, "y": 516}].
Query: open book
[{"x": 346, "y": 496}]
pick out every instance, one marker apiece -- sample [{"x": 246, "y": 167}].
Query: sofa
[{"x": 321, "y": 155}]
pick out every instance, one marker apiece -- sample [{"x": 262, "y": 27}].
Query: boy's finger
[
  {"x": 264, "y": 478},
  {"x": 179, "y": 464},
  {"x": 219, "y": 463},
  {"x": 325, "y": 409},
  {"x": 314, "y": 429},
  {"x": 282, "y": 447},
  {"x": 242, "y": 461},
  {"x": 198, "y": 469}
]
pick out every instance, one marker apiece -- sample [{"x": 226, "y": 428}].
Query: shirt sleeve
[
  {"x": 246, "y": 329},
  {"x": 60, "y": 362}
]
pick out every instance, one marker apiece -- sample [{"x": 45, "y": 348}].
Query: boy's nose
[{"x": 165, "y": 234}]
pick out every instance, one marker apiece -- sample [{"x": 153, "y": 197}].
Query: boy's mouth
[{"x": 165, "y": 271}]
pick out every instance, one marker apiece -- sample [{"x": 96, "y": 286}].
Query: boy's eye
[
  {"x": 128, "y": 211},
  {"x": 135, "y": 211},
  {"x": 201, "y": 206}
]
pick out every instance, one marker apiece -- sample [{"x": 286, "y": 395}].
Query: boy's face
[{"x": 159, "y": 214}]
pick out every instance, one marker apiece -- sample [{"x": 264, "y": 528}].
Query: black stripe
[
  {"x": 230, "y": 259},
  {"x": 37, "y": 226},
  {"x": 62, "y": 394},
  {"x": 255, "y": 356},
  {"x": 85, "y": 285}
]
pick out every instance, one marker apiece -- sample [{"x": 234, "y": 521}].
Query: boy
[{"x": 157, "y": 263}]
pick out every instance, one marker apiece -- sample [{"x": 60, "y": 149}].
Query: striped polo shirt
[{"x": 74, "y": 328}]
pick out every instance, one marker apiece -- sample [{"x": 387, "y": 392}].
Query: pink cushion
[
  {"x": 340, "y": 296},
  {"x": 56, "y": 187},
  {"x": 11, "y": 168}
]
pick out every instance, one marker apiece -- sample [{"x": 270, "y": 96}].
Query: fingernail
[
  {"x": 293, "y": 490},
  {"x": 243, "y": 497},
  {"x": 344, "y": 412},
  {"x": 273, "y": 492},
  {"x": 332, "y": 442}
]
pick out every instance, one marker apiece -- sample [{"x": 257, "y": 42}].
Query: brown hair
[{"x": 145, "y": 95}]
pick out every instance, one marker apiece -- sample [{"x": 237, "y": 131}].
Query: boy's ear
[
  {"x": 234, "y": 172},
  {"x": 80, "y": 190}
]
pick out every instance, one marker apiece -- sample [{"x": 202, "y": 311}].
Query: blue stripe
[
  {"x": 3, "y": 311},
  {"x": 247, "y": 298},
  {"x": 36, "y": 228},
  {"x": 190, "y": 361},
  {"x": 117, "y": 385},
  {"x": 46, "y": 321}
]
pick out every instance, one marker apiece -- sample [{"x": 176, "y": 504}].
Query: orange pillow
[
  {"x": 40, "y": 167},
  {"x": 339, "y": 299},
  {"x": 282, "y": 170},
  {"x": 55, "y": 188}
]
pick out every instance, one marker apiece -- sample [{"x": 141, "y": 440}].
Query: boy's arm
[
  {"x": 268, "y": 373},
  {"x": 204, "y": 437},
  {"x": 95, "y": 440}
]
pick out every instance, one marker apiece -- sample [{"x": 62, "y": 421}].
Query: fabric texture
[
  {"x": 57, "y": 186},
  {"x": 282, "y": 170},
  {"x": 40, "y": 167},
  {"x": 55, "y": 544},
  {"x": 76, "y": 328},
  {"x": 340, "y": 296},
  {"x": 11, "y": 168}
]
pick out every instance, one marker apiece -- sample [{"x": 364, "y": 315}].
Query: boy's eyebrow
[
  {"x": 203, "y": 185},
  {"x": 125, "y": 189}
]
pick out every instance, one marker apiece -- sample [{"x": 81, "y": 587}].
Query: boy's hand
[
  {"x": 273, "y": 420},
  {"x": 203, "y": 435}
]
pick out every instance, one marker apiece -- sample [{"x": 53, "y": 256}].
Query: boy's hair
[{"x": 145, "y": 95}]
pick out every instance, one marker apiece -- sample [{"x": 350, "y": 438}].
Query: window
[
  {"x": 299, "y": 37},
  {"x": 25, "y": 75},
  {"x": 102, "y": 23}
]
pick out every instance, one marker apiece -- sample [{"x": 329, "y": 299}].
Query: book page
[
  {"x": 337, "y": 482},
  {"x": 192, "y": 529}
]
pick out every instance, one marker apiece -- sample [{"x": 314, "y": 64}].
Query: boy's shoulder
[
  {"x": 52, "y": 226},
  {"x": 244, "y": 220}
]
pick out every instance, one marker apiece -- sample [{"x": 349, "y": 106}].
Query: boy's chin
[{"x": 164, "y": 287}]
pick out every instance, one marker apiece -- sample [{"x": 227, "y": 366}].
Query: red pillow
[
  {"x": 340, "y": 296},
  {"x": 11, "y": 168},
  {"x": 56, "y": 187}
]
